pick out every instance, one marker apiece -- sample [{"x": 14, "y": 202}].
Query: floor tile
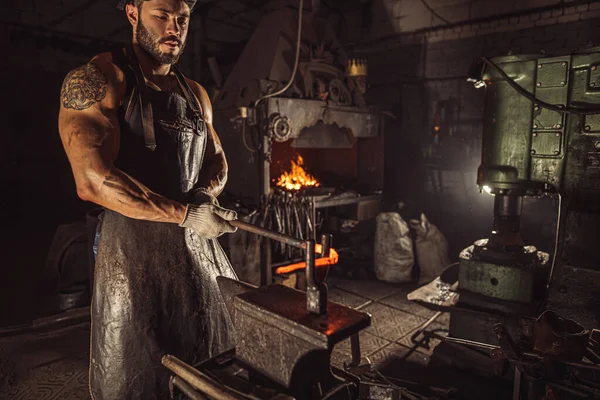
[
  {"x": 444, "y": 319},
  {"x": 439, "y": 329},
  {"x": 371, "y": 289},
  {"x": 339, "y": 358},
  {"x": 390, "y": 323},
  {"x": 346, "y": 298},
  {"x": 435, "y": 330},
  {"x": 424, "y": 347},
  {"x": 45, "y": 366},
  {"x": 399, "y": 301},
  {"x": 369, "y": 344},
  {"x": 397, "y": 352}
]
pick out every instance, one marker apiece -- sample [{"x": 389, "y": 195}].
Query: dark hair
[{"x": 138, "y": 3}]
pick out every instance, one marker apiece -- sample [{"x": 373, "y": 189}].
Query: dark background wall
[
  {"x": 37, "y": 185},
  {"x": 415, "y": 59}
]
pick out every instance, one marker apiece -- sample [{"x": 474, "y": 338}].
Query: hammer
[{"x": 316, "y": 293}]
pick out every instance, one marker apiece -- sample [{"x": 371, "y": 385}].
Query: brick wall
[
  {"x": 469, "y": 17},
  {"x": 410, "y": 73},
  {"x": 527, "y": 20}
]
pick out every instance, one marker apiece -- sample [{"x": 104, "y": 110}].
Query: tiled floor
[
  {"x": 388, "y": 343},
  {"x": 45, "y": 365},
  {"x": 394, "y": 320},
  {"x": 55, "y": 365}
]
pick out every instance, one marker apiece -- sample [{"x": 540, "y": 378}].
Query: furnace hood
[{"x": 323, "y": 108}]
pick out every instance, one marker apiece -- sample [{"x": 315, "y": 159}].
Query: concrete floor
[{"x": 54, "y": 365}]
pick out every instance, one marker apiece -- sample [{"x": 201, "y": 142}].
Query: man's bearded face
[{"x": 165, "y": 49}]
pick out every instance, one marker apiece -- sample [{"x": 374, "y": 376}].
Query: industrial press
[{"x": 541, "y": 136}]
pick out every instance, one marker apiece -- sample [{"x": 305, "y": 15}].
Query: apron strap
[
  {"x": 131, "y": 91},
  {"x": 144, "y": 100},
  {"x": 189, "y": 93}
]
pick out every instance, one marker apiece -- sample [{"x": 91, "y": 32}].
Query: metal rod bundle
[{"x": 292, "y": 214}]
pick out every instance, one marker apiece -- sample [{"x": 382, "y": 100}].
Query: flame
[
  {"x": 298, "y": 178},
  {"x": 319, "y": 262}
]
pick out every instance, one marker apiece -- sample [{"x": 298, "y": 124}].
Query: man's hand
[
  {"x": 200, "y": 196},
  {"x": 209, "y": 221}
]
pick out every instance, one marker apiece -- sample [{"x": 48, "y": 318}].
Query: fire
[{"x": 298, "y": 178}]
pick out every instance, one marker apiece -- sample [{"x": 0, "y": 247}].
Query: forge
[{"x": 311, "y": 150}]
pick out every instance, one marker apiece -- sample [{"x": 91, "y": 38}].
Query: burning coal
[{"x": 297, "y": 178}]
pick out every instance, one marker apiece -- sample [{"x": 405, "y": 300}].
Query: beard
[{"x": 151, "y": 45}]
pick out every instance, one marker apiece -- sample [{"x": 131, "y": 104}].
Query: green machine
[{"x": 541, "y": 136}]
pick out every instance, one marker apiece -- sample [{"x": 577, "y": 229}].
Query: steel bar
[
  {"x": 311, "y": 281},
  {"x": 316, "y": 294},
  {"x": 424, "y": 327},
  {"x": 186, "y": 389},
  {"x": 292, "y": 241},
  {"x": 517, "y": 385},
  {"x": 355, "y": 348},
  {"x": 298, "y": 226},
  {"x": 479, "y": 345},
  {"x": 506, "y": 342},
  {"x": 490, "y": 347},
  {"x": 320, "y": 262},
  {"x": 197, "y": 379},
  {"x": 288, "y": 221},
  {"x": 325, "y": 245}
]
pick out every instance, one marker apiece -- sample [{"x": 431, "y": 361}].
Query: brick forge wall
[
  {"x": 411, "y": 73},
  {"x": 583, "y": 13}
]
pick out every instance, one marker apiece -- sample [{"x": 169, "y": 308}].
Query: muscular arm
[
  {"x": 213, "y": 175},
  {"x": 89, "y": 130}
]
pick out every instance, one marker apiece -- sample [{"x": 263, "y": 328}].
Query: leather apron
[{"x": 155, "y": 290}]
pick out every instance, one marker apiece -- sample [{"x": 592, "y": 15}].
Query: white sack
[
  {"x": 394, "y": 256},
  {"x": 432, "y": 249}
]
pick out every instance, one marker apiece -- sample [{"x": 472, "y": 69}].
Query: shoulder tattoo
[{"x": 83, "y": 87}]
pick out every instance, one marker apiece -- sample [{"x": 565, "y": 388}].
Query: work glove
[
  {"x": 208, "y": 220},
  {"x": 202, "y": 195}
]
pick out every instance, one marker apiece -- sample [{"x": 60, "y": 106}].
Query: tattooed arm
[
  {"x": 89, "y": 130},
  {"x": 213, "y": 175}
]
